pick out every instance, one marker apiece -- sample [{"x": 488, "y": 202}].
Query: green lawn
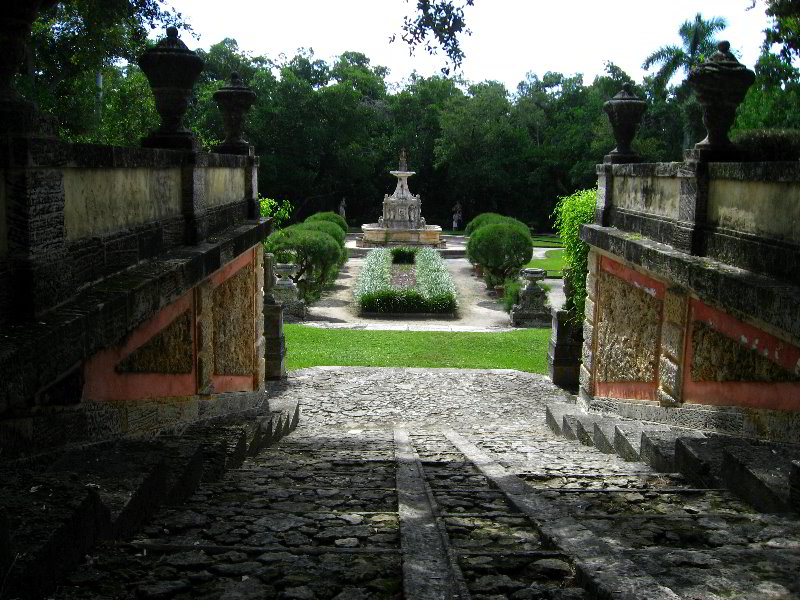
[
  {"x": 546, "y": 241},
  {"x": 524, "y": 349},
  {"x": 553, "y": 261}
]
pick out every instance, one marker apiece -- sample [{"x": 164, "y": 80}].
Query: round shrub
[
  {"x": 316, "y": 253},
  {"x": 328, "y": 227},
  {"x": 329, "y": 216},
  {"x": 482, "y": 219},
  {"x": 501, "y": 248}
]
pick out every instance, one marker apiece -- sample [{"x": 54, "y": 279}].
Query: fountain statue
[{"x": 402, "y": 223}]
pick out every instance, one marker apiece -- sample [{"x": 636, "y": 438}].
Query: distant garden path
[{"x": 478, "y": 311}]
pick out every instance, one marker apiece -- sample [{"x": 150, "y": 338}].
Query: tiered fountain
[{"x": 402, "y": 223}]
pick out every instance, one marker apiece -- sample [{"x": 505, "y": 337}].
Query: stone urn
[
  {"x": 625, "y": 113},
  {"x": 17, "y": 115},
  {"x": 533, "y": 309},
  {"x": 172, "y": 69},
  {"x": 234, "y": 100},
  {"x": 720, "y": 84}
]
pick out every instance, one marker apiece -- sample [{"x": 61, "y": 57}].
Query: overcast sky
[{"x": 509, "y": 37}]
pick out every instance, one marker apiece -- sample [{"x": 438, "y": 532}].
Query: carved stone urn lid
[
  {"x": 626, "y": 101},
  {"x": 722, "y": 76},
  {"x": 236, "y": 92},
  {"x": 170, "y": 63}
]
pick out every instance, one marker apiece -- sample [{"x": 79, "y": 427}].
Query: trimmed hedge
[
  {"x": 570, "y": 213},
  {"x": 316, "y": 253},
  {"x": 434, "y": 291},
  {"x": 329, "y": 216},
  {"x": 501, "y": 249},
  {"x": 482, "y": 219},
  {"x": 328, "y": 227}
]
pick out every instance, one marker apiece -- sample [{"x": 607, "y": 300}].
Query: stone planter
[
  {"x": 533, "y": 309},
  {"x": 234, "y": 100},
  {"x": 625, "y": 113}
]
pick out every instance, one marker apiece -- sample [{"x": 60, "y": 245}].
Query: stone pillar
[
  {"x": 204, "y": 330},
  {"x": 33, "y": 246},
  {"x": 260, "y": 342},
  {"x": 670, "y": 364},
  {"x": 605, "y": 195},
  {"x": 275, "y": 344},
  {"x": 586, "y": 376},
  {"x": 193, "y": 198},
  {"x": 564, "y": 355},
  {"x": 692, "y": 207}
]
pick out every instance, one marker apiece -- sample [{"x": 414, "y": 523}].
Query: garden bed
[{"x": 403, "y": 281}]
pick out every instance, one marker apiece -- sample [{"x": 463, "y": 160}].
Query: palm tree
[{"x": 698, "y": 43}]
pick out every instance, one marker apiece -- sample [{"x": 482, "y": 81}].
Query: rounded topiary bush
[
  {"x": 482, "y": 219},
  {"x": 329, "y": 216},
  {"x": 328, "y": 227},
  {"x": 316, "y": 253},
  {"x": 501, "y": 248}
]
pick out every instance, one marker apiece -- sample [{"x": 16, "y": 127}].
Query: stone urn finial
[
  {"x": 625, "y": 113},
  {"x": 403, "y": 166},
  {"x": 172, "y": 69},
  {"x": 234, "y": 100},
  {"x": 720, "y": 84}
]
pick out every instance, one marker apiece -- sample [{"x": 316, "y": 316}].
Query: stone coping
[
  {"x": 744, "y": 294},
  {"x": 24, "y": 152},
  {"x": 35, "y": 354},
  {"x": 773, "y": 171}
]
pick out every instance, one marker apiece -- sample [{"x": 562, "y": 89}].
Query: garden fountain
[{"x": 402, "y": 223}]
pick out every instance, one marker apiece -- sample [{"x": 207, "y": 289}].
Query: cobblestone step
[
  {"x": 584, "y": 428},
  {"x": 700, "y": 459},
  {"x": 762, "y": 476},
  {"x": 603, "y": 434},
  {"x": 57, "y": 508},
  {"x": 657, "y": 448},
  {"x": 628, "y": 438},
  {"x": 554, "y": 415}
]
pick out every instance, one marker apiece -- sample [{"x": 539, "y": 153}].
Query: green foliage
[
  {"x": 523, "y": 350},
  {"x": 317, "y": 255},
  {"x": 501, "y": 249},
  {"x": 434, "y": 291},
  {"x": 403, "y": 255},
  {"x": 328, "y": 227},
  {"x": 511, "y": 290},
  {"x": 482, "y": 219},
  {"x": 331, "y": 217},
  {"x": 279, "y": 211},
  {"x": 769, "y": 144},
  {"x": 570, "y": 213}
]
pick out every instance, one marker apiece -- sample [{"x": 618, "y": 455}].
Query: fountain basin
[{"x": 376, "y": 236}]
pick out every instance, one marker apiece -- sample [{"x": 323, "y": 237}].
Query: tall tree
[{"x": 698, "y": 43}]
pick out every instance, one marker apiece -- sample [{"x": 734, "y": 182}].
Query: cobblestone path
[{"x": 423, "y": 484}]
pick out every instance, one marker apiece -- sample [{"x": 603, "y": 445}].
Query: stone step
[
  {"x": 569, "y": 426},
  {"x": 762, "y": 476},
  {"x": 658, "y": 447},
  {"x": 585, "y": 428},
  {"x": 628, "y": 438},
  {"x": 55, "y": 508},
  {"x": 794, "y": 485},
  {"x": 52, "y": 521},
  {"x": 555, "y": 413},
  {"x": 603, "y": 434},
  {"x": 700, "y": 459}
]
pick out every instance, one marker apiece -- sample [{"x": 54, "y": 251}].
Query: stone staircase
[
  {"x": 55, "y": 507},
  {"x": 765, "y": 475}
]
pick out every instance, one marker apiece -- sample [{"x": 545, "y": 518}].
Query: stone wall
[
  {"x": 107, "y": 290},
  {"x": 692, "y": 319}
]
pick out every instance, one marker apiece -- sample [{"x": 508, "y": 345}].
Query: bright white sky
[{"x": 509, "y": 37}]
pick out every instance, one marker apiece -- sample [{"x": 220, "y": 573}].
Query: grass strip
[
  {"x": 523, "y": 349},
  {"x": 553, "y": 261}
]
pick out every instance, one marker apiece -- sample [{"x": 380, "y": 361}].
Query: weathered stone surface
[
  {"x": 760, "y": 475},
  {"x": 658, "y": 448},
  {"x": 169, "y": 351},
  {"x": 627, "y": 330},
  {"x": 555, "y": 413},
  {"x": 628, "y": 438},
  {"x": 716, "y": 357},
  {"x": 700, "y": 459},
  {"x": 233, "y": 324}
]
